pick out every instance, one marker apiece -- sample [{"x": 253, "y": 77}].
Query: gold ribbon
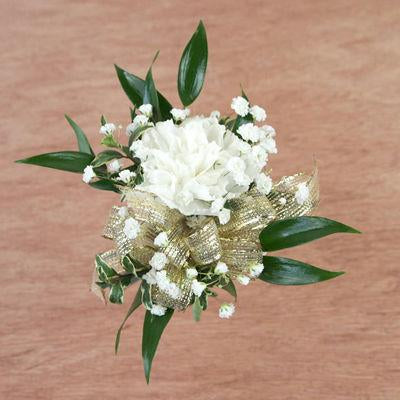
[{"x": 235, "y": 243}]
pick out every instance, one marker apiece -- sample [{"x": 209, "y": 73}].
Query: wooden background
[{"x": 328, "y": 73}]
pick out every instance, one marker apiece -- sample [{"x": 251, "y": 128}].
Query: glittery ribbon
[{"x": 235, "y": 243}]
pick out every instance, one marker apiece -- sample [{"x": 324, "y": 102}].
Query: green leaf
[
  {"x": 83, "y": 142},
  {"x": 150, "y": 95},
  {"x": 104, "y": 184},
  {"x": 192, "y": 67},
  {"x": 295, "y": 231},
  {"x": 72, "y": 161},
  {"x": 137, "y": 301},
  {"x": 104, "y": 270},
  {"x": 285, "y": 271},
  {"x": 116, "y": 294},
  {"x": 197, "y": 309},
  {"x": 153, "y": 328},
  {"x": 230, "y": 288},
  {"x": 109, "y": 141},
  {"x": 137, "y": 133},
  {"x": 146, "y": 295},
  {"x": 105, "y": 156},
  {"x": 103, "y": 120},
  {"x": 133, "y": 87}
]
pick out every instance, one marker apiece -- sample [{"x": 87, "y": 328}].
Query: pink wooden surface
[{"x": 328, "y": 73}]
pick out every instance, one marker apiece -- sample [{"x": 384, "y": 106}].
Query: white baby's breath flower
[
  {"x": 146, "y": 109},
  {"x": 131, "y": 228},
  {"x": 242, "y": 179},
  {"x": 242, "y": 146},
  {"x": 161, "y": 239},
  {"x": 269, "y": 145},
  {"x": 158, "y": 261},
  {"x": 158, "y": 309},
  {"x": 260, "y": 155},
  {"x": 268, "y": 130},
  {"x": 249, "y": 132},
  {"x": 217, "y": 205},
  {"x": 113, "y": 166},
  {"x": 264, "y": 183},
  {"x": 198, "y": 287},
  {"x": 302, "y": 193},
  {"x": 224, "y": 216},
  {"x": 123, "y": 212},
  {"x": 88, "y": 174},
  {"x": 162, "y": 279},
  {"x": 256, "y": 270},
  {"x": 108, "y": 129},
  {"x": 226, "y": 310},
  {"x": 258, "y": 113},
  {"x": 282, "y": 201},
  {"x": 215, "y": 114},
  {"x": 173, "y": 290},
  {"x": 191, "y": 273},
  {"x": 221, "y": 268},
  {"x": 240, "y": 105},
  {"x": 150, "y": 277},
  {"x": 179, "y": 114},
  {"x": 139, "y": 120},
  {"x": 126, "y": 176},
  {"x": 243, "y": 279}
]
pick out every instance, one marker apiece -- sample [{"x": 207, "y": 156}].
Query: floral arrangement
[{"x": 200, "y": 212}]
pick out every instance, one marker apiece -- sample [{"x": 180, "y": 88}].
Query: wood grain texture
[{"x": 328, "y": 73}]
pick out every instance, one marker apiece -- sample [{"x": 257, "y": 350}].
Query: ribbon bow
[{"x": 203, "y": 241}]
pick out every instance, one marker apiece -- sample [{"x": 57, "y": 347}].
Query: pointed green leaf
[
  {"x": 103, "y": 120},
  {"x": 192, "y": 67},
  {"x": 285, "y": 271},
  {"x": 83, "y": 142},
  {"x": 105, "y": 184},
  {"x": 105, "y": 156},
  {"x": 133, "y": 87},
  {"x": 116, "y": 294},
  {"x": 72, "y": 161},
  {"x": 153, "y": 328},
  {"x": 150, "y": 95},
  {"x": 197, "y": 309},
  {"x": 146, "y": 295},
  {"x": 137, "y": 301},
  {"x": 295, "y": 231}
]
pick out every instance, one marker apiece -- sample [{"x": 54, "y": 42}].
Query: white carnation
[
  {"x": 138, "y": 149},
  {"x": 249, "y": 132},
  {"x": 113, "y": 166},
  {"x": 302, "y": 193},
  {"x": 131, "y": 228},
  {"x": 217, "y": 205},
  {"x": 256, "y": 270},
  {"x": 126, "y": 176},
  {"x": 146, "y": 109},
  {"x": 221, "y": 268},
  {"x": 158, "y": 261},
  {"x": 258, "y": 113},
  {"x": 161, "y": 240},
  {"x": 158, "y": 309},
  {"x": 226, "y": 310},
  {"x": 108, "y": 129},
  {"x": 264, "y": 183},
  {"x": 224, "y": 216},
  {"x": 198, "y": 287},
  {"x": 240, "y": 105},
  {"x": 88, "y": 174},
  {"x": 243, "y": 279},
  {"x": 191, "y": 273},
  {"x": 191, "y": 165},
  {"x": 180, "y": 115}
]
